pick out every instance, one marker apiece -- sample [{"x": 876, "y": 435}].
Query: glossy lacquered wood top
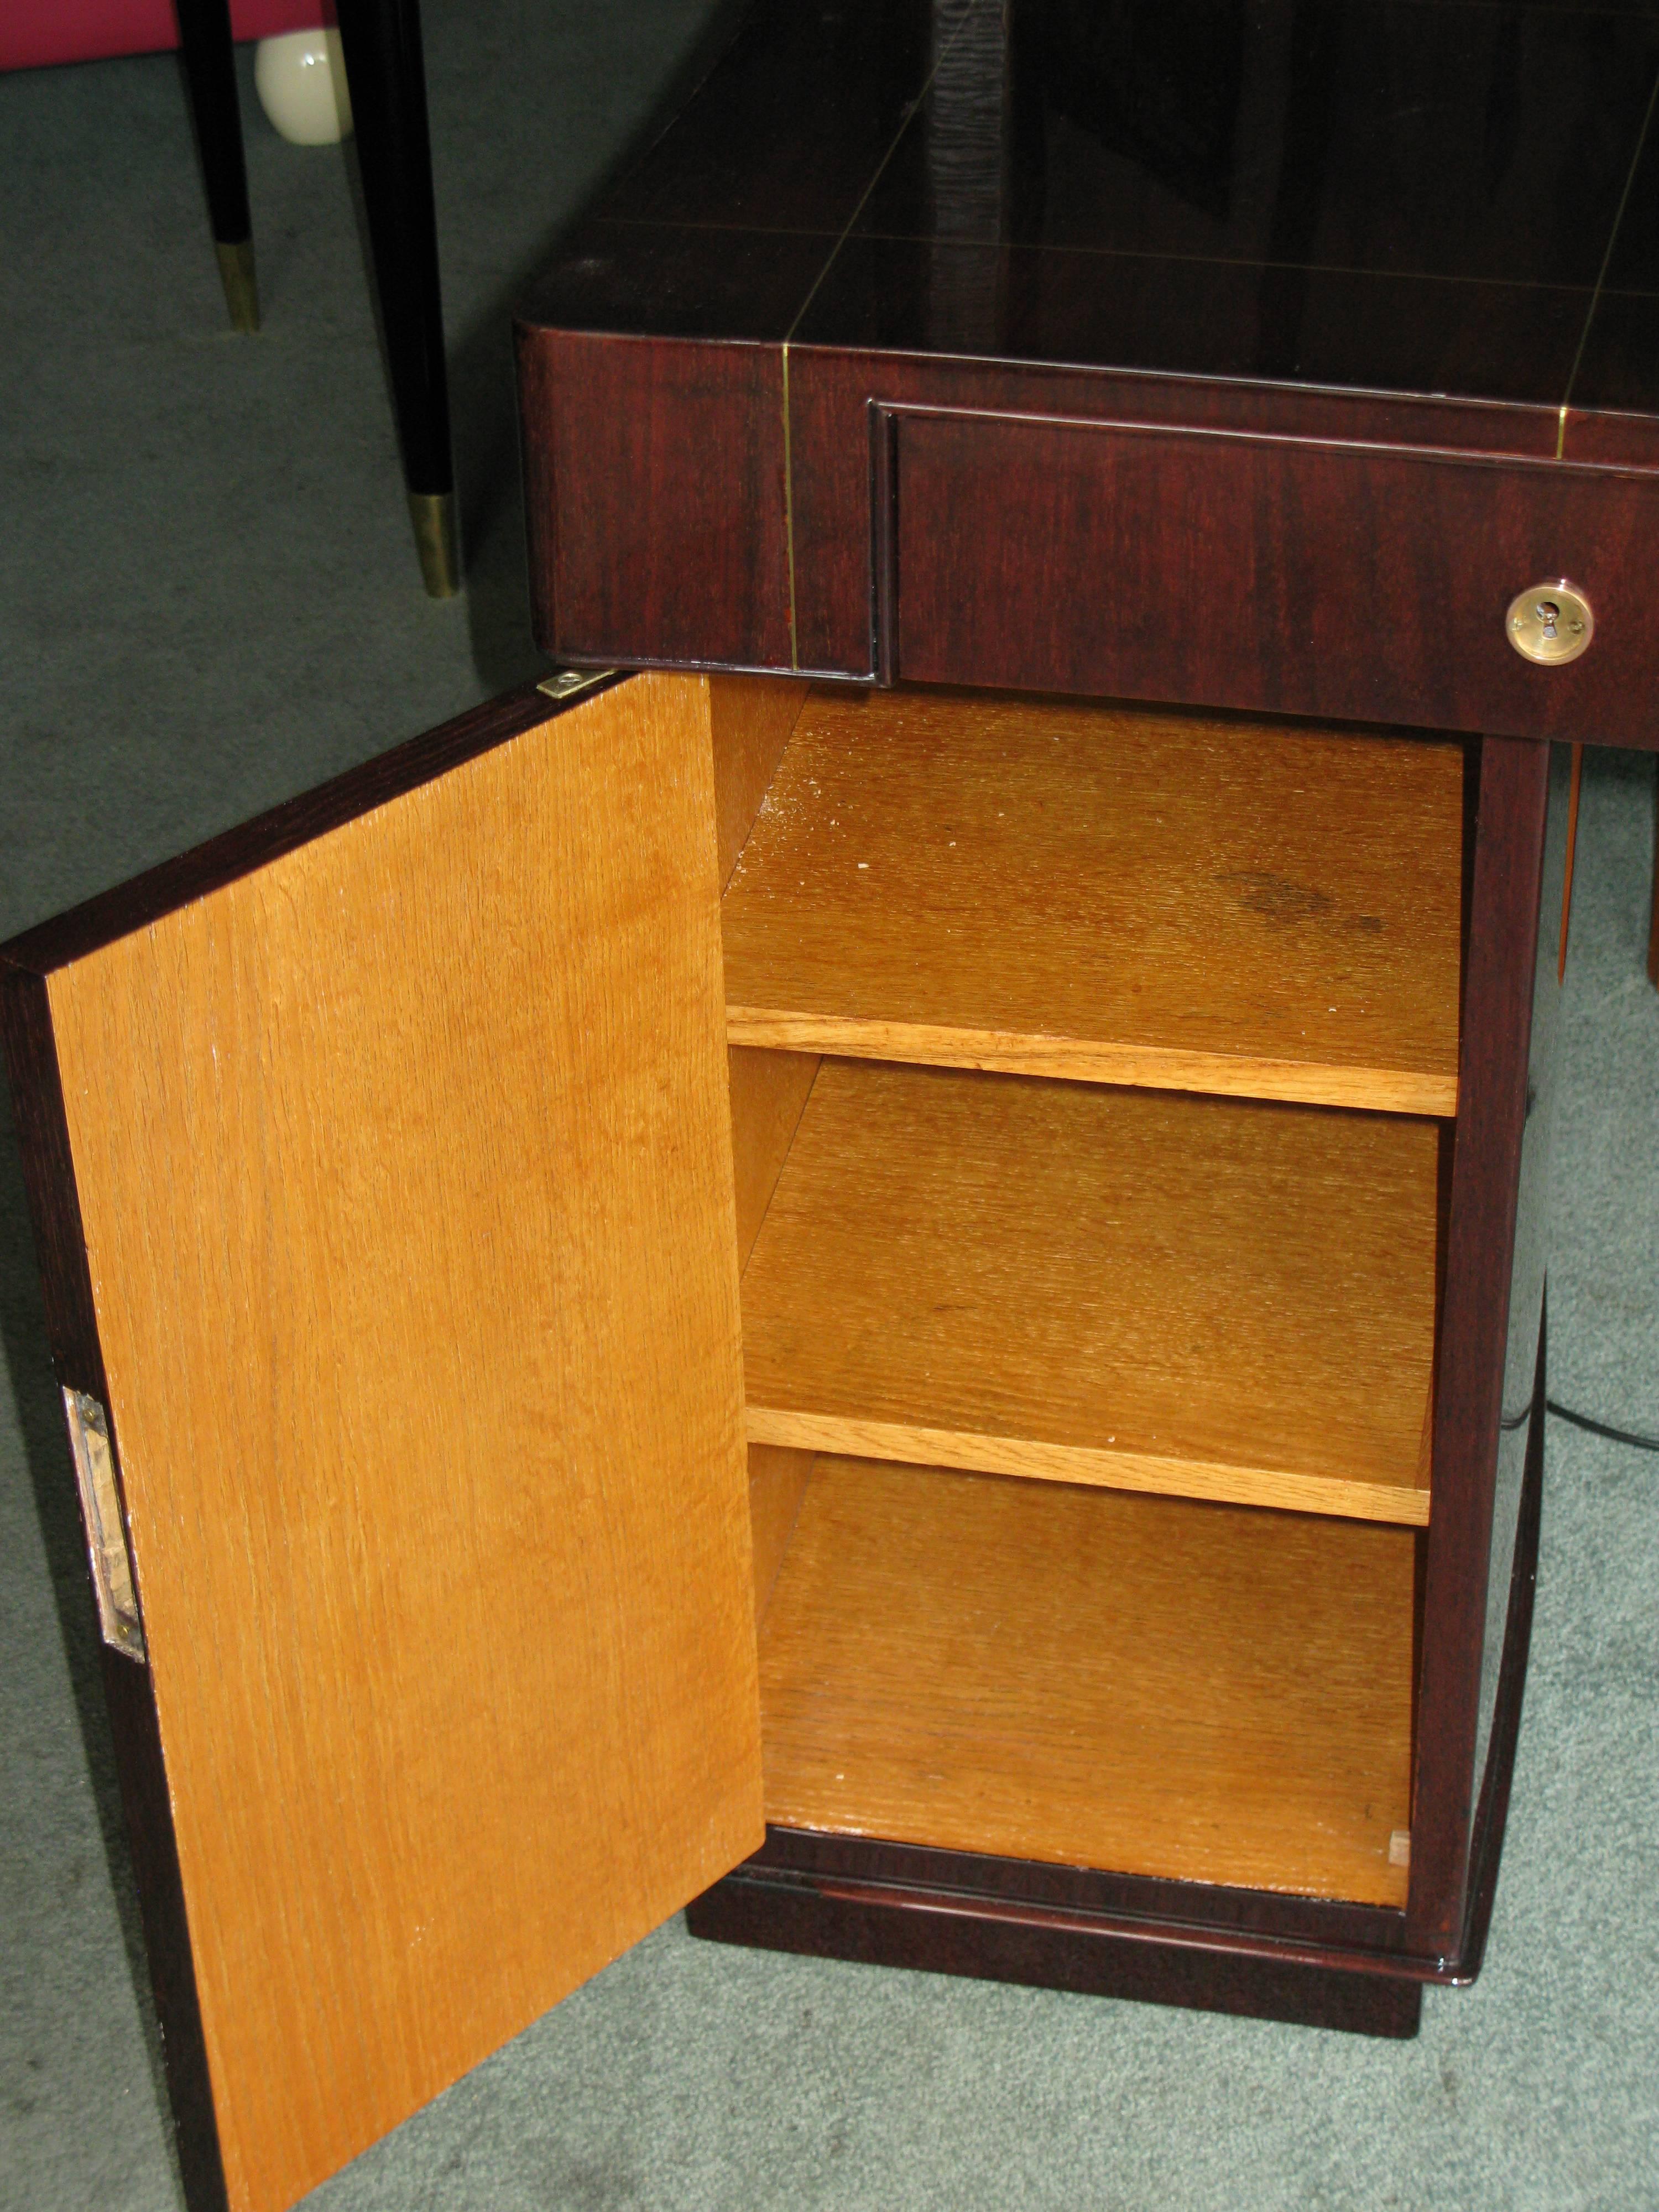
[{"x": 1395, "y": 195}]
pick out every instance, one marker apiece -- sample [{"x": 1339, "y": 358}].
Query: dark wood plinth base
[{"x": 913, "y": 1931}]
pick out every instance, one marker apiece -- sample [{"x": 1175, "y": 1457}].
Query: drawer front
[{"x": 1289, "y": 575}]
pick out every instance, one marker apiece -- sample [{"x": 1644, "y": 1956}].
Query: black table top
[{"x": 1416, "y": 196}]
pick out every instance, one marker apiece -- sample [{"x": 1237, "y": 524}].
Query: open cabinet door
[{"x": 380, "y": 1158}]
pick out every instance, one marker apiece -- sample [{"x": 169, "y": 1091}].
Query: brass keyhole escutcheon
[{"x": 1549, "y": 624}]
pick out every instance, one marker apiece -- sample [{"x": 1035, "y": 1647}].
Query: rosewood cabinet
[
  {"x": 901, "y": 1297},
  {"x": 875, "y": 1264}
]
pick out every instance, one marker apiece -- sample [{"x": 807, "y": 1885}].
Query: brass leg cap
[
  {"x": 241, "y": 285},
  {"x": 432, "y": 513}
]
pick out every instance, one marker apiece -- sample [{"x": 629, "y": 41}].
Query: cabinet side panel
[
  {"x": 49, "y": 1178},
  {"x": 405, "y": 1169},
  {"x": 1531, "y": 1246},
  {"x": 1501, "y": 963}
]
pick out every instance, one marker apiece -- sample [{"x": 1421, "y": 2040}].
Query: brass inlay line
[
  {"x": 789, "y": 513},
  {"x": 909, "y": 116},
  {"x": 878, "y": 173},
  {"x": 1607, "y": 258}
]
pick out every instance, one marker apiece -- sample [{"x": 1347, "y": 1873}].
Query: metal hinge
[
  {"x": 570, "y": 682},
  {"x": 106, "y": 1535}
]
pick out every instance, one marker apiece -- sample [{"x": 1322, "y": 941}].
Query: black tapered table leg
[
  {"x": 386, "y": 78},
  {"x": 210, "y": 78}
]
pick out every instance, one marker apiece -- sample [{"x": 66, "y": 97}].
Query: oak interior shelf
[
  {"x": 1139, "y": 1289},
  {"x": 1094, "y": 1679},
  {"x": 1111, "y": 894}
]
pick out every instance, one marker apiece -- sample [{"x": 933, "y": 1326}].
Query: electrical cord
[{"x": 1602, "y": 1428}]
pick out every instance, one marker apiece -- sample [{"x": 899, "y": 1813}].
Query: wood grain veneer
[
  {"x": 777, "y": 1483},
  {"x": 639, "y": 559},
  {"x": 831, "y": 390},
  {"x": 769, "y": 1091},
  {"x": 405, "y": 1169},
  {"x": 1139, "y": 1288},
  {"x": 1288, "y": 575},
  {"x": 71, "y": 1322},
  {"x": 1112, "y": 894},
  {"x": 1092, "y": 1679},
  {"x": 1124, "y": 1935},
  {"x": 750, "y": 718}
]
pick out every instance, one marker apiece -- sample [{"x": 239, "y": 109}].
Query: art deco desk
[{"x": 894, "y": 1264}]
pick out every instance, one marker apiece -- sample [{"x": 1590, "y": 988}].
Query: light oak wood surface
[
  {"x": 751, "y": 718},
  {"x": 1136, "y": 1684},
  {"x": 777, "y": 1483},
  {"x": 406, "y": 1174},
  {"x": 1140, "y": 1289},
  {"x": 769, "y": 1091},
  {"x": 1108, "y": 894}
]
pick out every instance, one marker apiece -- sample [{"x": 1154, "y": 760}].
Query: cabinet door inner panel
[{"x": 405, "y": 1162}]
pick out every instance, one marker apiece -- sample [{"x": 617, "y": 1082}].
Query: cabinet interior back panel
[
  {"x": 1113, "y": 894},
  {"x": 1138, "y": 1684},
  {"x": 405, "y": 1169},
  {"x": 1138, "y": 1288}
]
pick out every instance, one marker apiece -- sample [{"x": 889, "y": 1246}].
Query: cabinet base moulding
[{"x": 946, "y": 1936}]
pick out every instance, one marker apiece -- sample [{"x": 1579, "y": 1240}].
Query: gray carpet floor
[{"x": 208, "y": 601}]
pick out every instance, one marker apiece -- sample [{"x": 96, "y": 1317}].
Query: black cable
[{"x": 1600, "y": 1428}]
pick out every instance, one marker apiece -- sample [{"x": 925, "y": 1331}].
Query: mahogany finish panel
[
  {"x": 961, "y": 1934},
  {"x": 1127, "y": 897},
  {"x": 964, "y": 202},
  {"x": 1139, "y": 1288},
  {"x": 60, "y": 1247},
  {"x": 1288, "y": 575},
  {"x": 404, "y": 1165},
  {"x": 608, "y": 422},
  {"x": 1495, "y": 1101},
  {"x": 1317, "y": 1928},
  {"x": 655, "y": 493},
  {"x": 832, "y": 392},
  {"x": 1197, "y": 1691}
]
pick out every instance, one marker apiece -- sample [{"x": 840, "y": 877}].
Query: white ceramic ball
[{"x": 302, "y": 81}]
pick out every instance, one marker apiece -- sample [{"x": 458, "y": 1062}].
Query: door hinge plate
[{"x": 571, "y": 683}]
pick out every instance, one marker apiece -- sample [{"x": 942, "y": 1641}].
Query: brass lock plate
[
  {"x": 106, "y": 1539},
  {"x": 1550, "y": 622}
]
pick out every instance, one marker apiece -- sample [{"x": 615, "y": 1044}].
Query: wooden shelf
[
  {"x": 1113, "y": 895},
  {"x": 1136, "y": 1684},
  {"x": 1137, "y": 1289}
]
